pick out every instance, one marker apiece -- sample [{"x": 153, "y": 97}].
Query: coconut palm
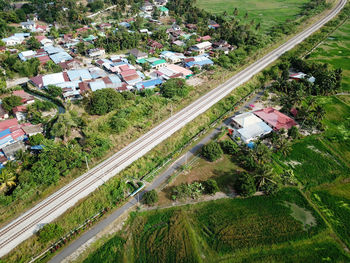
[{"x": 7, "y": 179}]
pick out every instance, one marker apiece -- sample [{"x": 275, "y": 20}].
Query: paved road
[
  {"x": 55, "y": 205},
  {"x": 161, "y": 179},
  {"x": 16, "y": 82}
]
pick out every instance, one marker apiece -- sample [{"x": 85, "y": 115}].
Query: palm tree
[
  {"x": 7, "y": 178},
  {"x": 283, "y": 146},
  {"x": 264, "y": 174}
]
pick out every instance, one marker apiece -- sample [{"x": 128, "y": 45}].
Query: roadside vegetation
[{"x": 115, "y": 129}]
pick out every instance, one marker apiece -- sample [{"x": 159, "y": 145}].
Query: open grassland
[
  {"x": 336, "y": 51},
  {"x": 257, "y": 229},
  {"x": 276, "y": 11}
]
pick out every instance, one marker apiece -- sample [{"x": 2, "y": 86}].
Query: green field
[
  {"x": 268, "y": 13},
  {"x": 336, "y": 51},
  {"x": 258, "y": 229},
  {"x": 313, "y": 163}
]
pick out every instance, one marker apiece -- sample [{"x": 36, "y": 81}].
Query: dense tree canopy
[
  {"x": 175, "y": 88},
  {"x": 212, "y": 151},
  {"x": 104, "y": 101}
]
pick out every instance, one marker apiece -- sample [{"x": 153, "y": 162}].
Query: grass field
[
  {"x": 336, "y": 51},
  {"x": 337, "y": 122},
  {"x": 263, "y": 229},
  {"x": 313, "y": 163},
  {"x": 336, "y": 208},
  {"x": 275, "y": 10}
]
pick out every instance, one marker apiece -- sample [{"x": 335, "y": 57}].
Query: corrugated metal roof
[
  {"x": 79, "y": 74},
  {"x": 97, "y": 85},
  {"x": 53, "y": 50},
  {"x": 60, "y": 57},
  {"x": 53, "y": 79}
]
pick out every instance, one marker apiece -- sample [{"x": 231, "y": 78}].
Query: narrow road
[
  {"x": 159, "y": 180},
  {"x": 55, "y": 205}
]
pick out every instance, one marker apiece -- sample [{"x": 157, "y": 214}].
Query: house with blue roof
[
  {"x": 79, "y": 74},
  {"x": 53, "y": 49},
  {"x": 199, "y": 61},
  {"x": 60, "y": 57},
  {"x": 149, "y": 84},
  {"x": 124, "y": 24},
  {"x": 97, "y": 85}
]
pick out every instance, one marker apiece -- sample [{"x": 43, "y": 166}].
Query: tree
[
  {"x": 211, "y": 187},
  {"x": 52, "y": 67},
  {"x": 49, "y": 232},
  {"x": 104, "y": 101},
  {"x": 54, "y": 90},
  {"x": 10, "y": 102},
  {"x": 174, "y": 88},
  {"x": 3, "y": 86},
  {"x": 245, "y": 185},
  {"x": 293, "y": 132},
  {"x": 229, "y": 147},
  {"x": 33, "y": 43},
  {"x": 212, "y": 151},
  {"x": 36, "y": 139},
  {"x": 146, "y": 66},
  {"x": 150, "y": 197},
  {"x": 7, "y": 178}
]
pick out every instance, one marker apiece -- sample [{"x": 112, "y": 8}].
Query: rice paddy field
[
  {"x": 336, "y": 51},
  {"x": 277, "y": 11},
  {"x": 254, "y": 230},
  {"x": 313, "y": 163}
]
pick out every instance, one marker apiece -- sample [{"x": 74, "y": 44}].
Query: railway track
[{"x": 56, "y": 204}]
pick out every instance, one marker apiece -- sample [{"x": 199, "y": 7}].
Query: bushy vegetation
[
  {"x": 212, "y": 151},
  {"x": 8, "y": 103},
  {"x": 104, "y": 101},
  {"x": 49, "y": 231},
  {"x": 175, "y": 88},
  {"x": 150, "y": 197}
]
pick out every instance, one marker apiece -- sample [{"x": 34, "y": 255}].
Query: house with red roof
[
  {"x": 26, "y": 97},
  {"x": 20, "y": 112},
  {"x": 275, "y": 119}
]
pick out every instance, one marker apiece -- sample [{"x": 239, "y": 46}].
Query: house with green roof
[{"x": 163, "y": 10}]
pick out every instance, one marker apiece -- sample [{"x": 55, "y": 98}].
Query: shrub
[
  {"x": 293, "y": 132},
  {"x": 175, "y": 88},
  {"x": 150, "y": 197},
  {"x": 49, "y": 232},
  {"x": 229, "y": 147},
  {"x": 245, "y": 185},
  {"x": 211, "y": 187},
  {"x": 12, "y": 101},
  {"x": 54, "y": 90},
  {"x": 212, "y": 151},
  {"x": 118, "y": 124}
]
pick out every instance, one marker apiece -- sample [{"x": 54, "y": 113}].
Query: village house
[
  {"x": 11, "y": 150},
  {"x": 96, "y": 52},
  {"x": 3, "y": 114},
  {"x": 249, "y": 127},
  {"x": 275, "y": 119},
  {"x": 147, "y": 7},
  {"x": 201, "y": 48},
  {"x": 138, "y": 54}
]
